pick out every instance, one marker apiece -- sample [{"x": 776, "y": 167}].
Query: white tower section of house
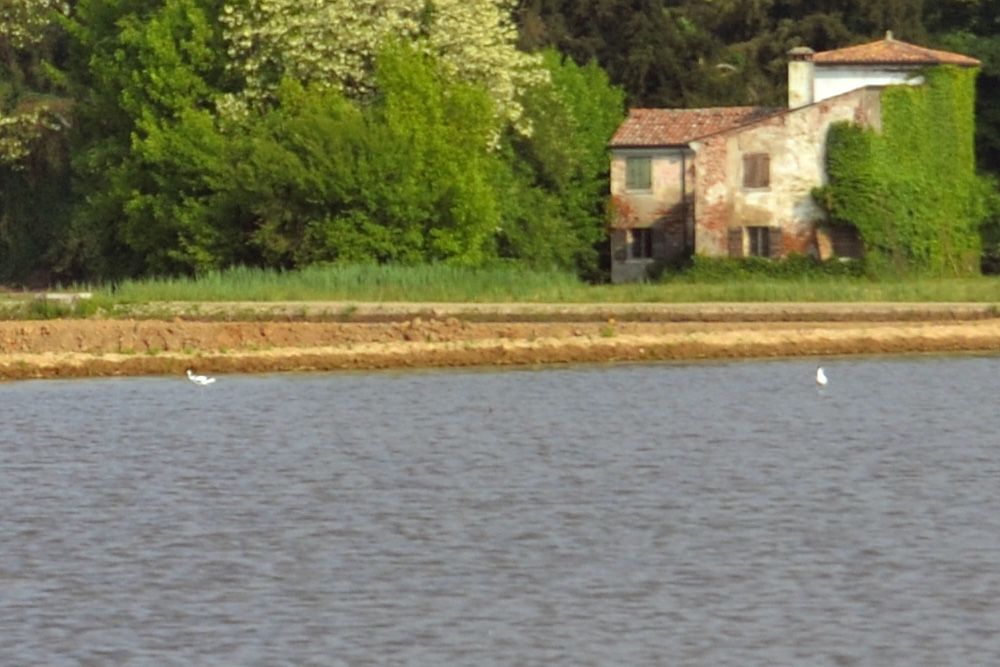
[
  {"x": 882, "y": 63},
  {"x": 832, "y": 79}
]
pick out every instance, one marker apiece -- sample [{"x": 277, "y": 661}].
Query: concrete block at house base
[{"x": 824, "y": 244}]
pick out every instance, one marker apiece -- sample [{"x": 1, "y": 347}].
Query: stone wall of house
[
  {"x": 795, "y": 141},
  {"x": 668, "y": 181},
  {"x": 624, "y": 270},
  {"x": 662, "y": 209}
]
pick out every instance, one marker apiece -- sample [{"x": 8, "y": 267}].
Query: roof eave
[
  {"x": 630, "y": 146},
  {"x": 893, "y": 63}
]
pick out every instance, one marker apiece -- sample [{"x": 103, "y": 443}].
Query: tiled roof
[
  {"x": 677, "y": 127},
  {"x": 891, "y": 51}
]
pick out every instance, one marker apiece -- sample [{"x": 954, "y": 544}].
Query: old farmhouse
[{"x": 737, "y": 181}]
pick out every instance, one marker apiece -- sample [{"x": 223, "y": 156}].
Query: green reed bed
[
  {"x": 816, "y": 290},
  {"x": 505, "y": 284},
  {"x": 358, "y": 283}
]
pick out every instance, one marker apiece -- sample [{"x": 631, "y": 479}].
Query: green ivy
[{"x": 911, "y": 190}]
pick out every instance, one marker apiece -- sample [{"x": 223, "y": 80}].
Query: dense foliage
[
  {"x": 175, "y": 137},
  {"x": 911, "y": 189}
]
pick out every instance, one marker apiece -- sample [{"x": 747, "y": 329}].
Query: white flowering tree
[
  {"x": 336, "y": 42},
  {"x": 355, "y": 131},
  {"x": 23, "y": 23},
  {"x": 24, "y": 118}
]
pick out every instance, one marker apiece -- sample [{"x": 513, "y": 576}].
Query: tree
[
  {"x": 556, "y": 180},
  {"x": 690, "y": 53},
  {"x": 30, "y": 105},
  {"x": 403, "y": 179},
  {"x": 187, "y": 164},
  {"x": 35, "y": 115},
  {"x": 336, "y": 43},
  {"x": 652, "y": 51},
  {"x": 146, "y": 76}
]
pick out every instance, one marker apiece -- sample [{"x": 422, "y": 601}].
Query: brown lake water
[{"x": 666, "y": 514}]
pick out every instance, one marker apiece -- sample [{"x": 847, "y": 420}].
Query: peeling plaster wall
[
  {"x": 795, "y": 140},
  {"x": 667, "y": 177},
  {"x": 660, "y": 208}
]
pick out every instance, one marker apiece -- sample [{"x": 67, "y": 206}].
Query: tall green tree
[
  {"x": 183, "y": 122},
  {"x": 404, "y": 179},
  {"x": 35, "y": 116},
  {"x": 650, "y": 49},
  {"x": 556, "y": 179},
  {"x": 677, "y": 53},
  {"x": 147, "y": 73}
]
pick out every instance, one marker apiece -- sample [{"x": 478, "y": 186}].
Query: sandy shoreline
[{"x": 248, "y": 338}]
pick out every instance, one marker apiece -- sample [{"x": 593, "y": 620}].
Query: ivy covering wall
[{"x": 911, "y": 190}]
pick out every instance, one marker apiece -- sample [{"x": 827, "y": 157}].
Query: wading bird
[
  {"x": 820, "y": 377},
  {"x": 199, "y": 379}
]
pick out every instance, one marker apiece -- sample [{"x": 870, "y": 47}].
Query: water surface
[{"x": 681, "y": 514}]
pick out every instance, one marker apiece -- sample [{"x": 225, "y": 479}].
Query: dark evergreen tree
[
  {"x": 36, "y": 113},
  {"x": 695, "y": 53}
]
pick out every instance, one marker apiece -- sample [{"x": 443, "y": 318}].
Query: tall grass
[
  {"x": 816, "y": 290},
  {"x": 357, "y": 283},
  {"x": 503, "y": 284}
]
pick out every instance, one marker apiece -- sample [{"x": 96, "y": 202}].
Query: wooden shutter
[
  {"x": 774, "y": 242},
  {"x": 756, "y": 170},
  {"x": 736, "y": 242}
]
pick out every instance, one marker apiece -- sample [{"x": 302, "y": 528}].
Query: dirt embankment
[{"x": 226, "y": 338}]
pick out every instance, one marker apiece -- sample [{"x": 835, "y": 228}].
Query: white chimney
[{"x": 800, "y": 77}]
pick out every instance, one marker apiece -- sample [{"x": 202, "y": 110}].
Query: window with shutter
[
  {"x": 756, "y": 171},
  {"x": 639, "y": 173}
]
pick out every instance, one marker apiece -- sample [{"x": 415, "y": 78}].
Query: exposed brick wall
[
  {"x": 713, "y": 210},
  {"x": 663, "y": 209},
  {"x": 796, "y": 143}
]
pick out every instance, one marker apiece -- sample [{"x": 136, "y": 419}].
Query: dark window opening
[
  {"x": 759, "y": 241},
  {"x": 640, "y": 243}
]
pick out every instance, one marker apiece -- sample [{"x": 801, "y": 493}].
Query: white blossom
[
  {"x": 20, "y": 130},
  {"x": 335, "y": 43},
  {"x": 23, "y": 22}
]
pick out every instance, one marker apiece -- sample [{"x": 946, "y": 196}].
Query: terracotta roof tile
[
  {"x": 891, "y": 52},
  {"x": 677, "y": 127}
]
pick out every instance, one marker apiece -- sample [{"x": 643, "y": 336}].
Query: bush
[{"x": 794, "y": 267}]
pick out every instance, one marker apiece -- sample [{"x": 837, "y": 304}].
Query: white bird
[
  {"x": 820, "y": 377},
  {"x": 199, "y": 379}
]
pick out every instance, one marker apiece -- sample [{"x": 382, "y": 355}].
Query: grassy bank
[
  {"x": 450, "y": 284},
  {"x": 373, "y": 284}
]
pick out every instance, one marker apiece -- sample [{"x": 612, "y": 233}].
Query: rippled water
[{"x": 668, "y": 514}]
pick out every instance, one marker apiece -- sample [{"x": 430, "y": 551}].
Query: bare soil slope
[{"x": 226, "y": 338}]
